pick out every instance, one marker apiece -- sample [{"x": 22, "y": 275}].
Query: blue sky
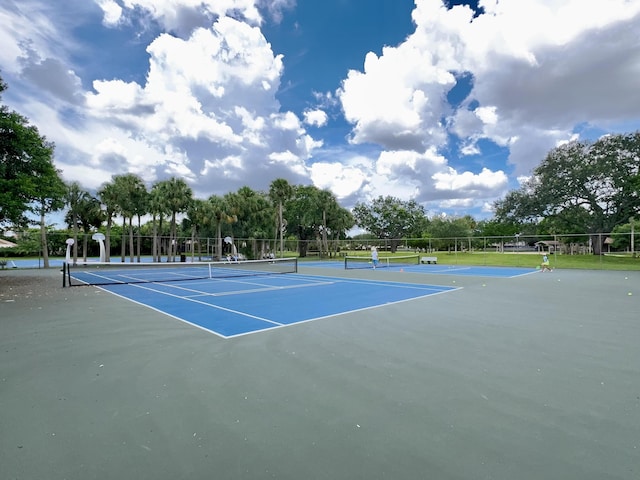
[{"x": 448, "y": 103}]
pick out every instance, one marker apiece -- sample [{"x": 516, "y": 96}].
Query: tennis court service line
[
  {"x": 388, "y": 283},
  {"x": 189, "y": 299},
  {"x": 132, "y": 278},
  {"x": 259, "y": 287}
]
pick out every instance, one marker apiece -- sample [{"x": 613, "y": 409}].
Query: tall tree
[
  {"x": 27, "y": 174},
  {"x": 74, "y": 198},
  {"x": 251, "y": 210},
  {"x": 88, "y": 217},
  {"x": 158, "y": 209},
  {"x": 280, "y": 191},
  {"x": 390, "y": 218},
  {"x": 141, "y": 200},
  {"x": 304, "y": 215},
  {"x": 335, "y": 220},
  {"x": 199, "y": 214},
  {"x": 581, "y": 187},
  {"x": 220, "y": 216},
  {"x": 108, "y": 195},
  {"x": 50, "y": 198},
  {"x": 177, "y": 196},
  {"x": 131, "y": 197}
]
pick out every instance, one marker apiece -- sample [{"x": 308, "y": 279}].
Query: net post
[
  {"x": 295, "y": 265},
  {"x": 64, "y": 274}
]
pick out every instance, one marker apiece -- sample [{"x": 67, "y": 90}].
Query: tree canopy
[
  {"x": 580, "y": 187},
  {"x": 28, "y": 178},
  {"x": 391, "y": 218}
]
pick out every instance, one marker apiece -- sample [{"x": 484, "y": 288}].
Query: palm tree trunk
[
  {"x": 281, "y": 229},
  {"x": 138, "y": 239},
  {"x": 131, "y": 251},
  {"x": 75, "y": 239},
  {"x": 154, "y": 246},
  {"x": 172, "y": 239},
  {"x": 124, "y": 240},
  {"x": 84, "y": 246},
  {"x": 107, "y": 241}
]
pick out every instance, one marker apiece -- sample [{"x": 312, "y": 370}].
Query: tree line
[{"x": 304, "y": 211}]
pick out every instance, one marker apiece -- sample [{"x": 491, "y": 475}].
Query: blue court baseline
[
  {"x": 236, "y": 307},
  {"x": 438, "y": 269},
  {"x": 472, "y": 271}
]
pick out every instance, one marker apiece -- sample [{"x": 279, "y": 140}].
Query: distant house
[
  {"x": 7, "y": 244},
  {"x": 550, "y": 245}
]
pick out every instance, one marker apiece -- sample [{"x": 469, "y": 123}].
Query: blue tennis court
[
  {"x": 230, "y": 307},
  {"x": 438, "y": 269}
]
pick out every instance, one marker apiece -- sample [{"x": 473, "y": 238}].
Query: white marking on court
[
  {"x": 371, "y": 307},
  {"x": 117, "y": 276},
  {"x": 217, "y": 307},
  {"x": 265, "y": 288},
  {"x": 388, "y": 283},
  {"x": 315, "y": 281},
  {"x": 261, "y": 287}
]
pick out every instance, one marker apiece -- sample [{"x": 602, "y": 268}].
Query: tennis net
[
  {"x": 351, "y": 262},
  {"x": 100, "y": 273}
]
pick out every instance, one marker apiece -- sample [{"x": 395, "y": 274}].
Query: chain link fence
[{"x": 165, "y": 248}]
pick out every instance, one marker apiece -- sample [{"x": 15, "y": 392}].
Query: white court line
[
  {"x": 169, "y": 314},
  {"x": 390, "y": 283},
  {"x": 371, "y": 307},
  {"x": 116, "y": 275},
  {"x": 142, "y": 286},
  {"x": 200, "y": 293},
  {"x": 262, "y": 287},
  {"x": 275, "y": 324}
]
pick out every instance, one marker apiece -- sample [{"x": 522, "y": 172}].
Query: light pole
[{"x": 632, "y": 236}]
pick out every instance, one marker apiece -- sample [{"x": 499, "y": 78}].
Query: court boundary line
[
  {"x": 217, "y": 307},
  {"x": 344, "y": 313},
  {"x": 416, "y": 269},
  {"x": 390, "y": 283},
  {"x": 431, "y": 289},
  {"x": 199, "y": 293},
  {"x": 170, "y": 315}
]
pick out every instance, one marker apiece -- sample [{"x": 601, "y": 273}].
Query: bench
[{"x": 428, "y": 259}]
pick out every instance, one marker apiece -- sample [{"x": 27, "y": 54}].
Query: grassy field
[
  {"x": 589, "y": 262},
  {"x": 586, "y": 262}
]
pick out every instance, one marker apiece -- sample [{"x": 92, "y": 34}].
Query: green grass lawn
[{"x": 586, "y": 262}]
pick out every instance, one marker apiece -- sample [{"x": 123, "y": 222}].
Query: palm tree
[
  {"x": 140, "y": 208},
  {"x": 88, "y": 217},
  {"x": 325, "y": 202},
  {"x": 50, "y": 199},
  {"x": 280, "y": 191},
  {"x": 199, "y": 215},
  {"x": 158, "y": 209},
  {"x": 73, "y": 198},
  {"x": 178, "y": 198},
  {"x": 255, "y": 214},
  {"x": 130, "y": 194},
  {"x": 109, "y": 197},
  {"x": 220, "y": 215}
]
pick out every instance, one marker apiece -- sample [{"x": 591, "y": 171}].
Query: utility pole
[{"x": 631, "y": 221}]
